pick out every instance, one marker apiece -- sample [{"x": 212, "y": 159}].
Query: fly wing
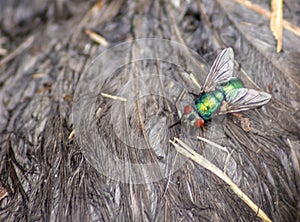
[
  {"x": 244, "y": 99},
  {"x": 220, "y": 71}
]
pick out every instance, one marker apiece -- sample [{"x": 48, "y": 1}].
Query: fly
[{"x": 222, "y": 93}]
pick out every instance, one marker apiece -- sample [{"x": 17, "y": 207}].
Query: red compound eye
[
  {"x": 199, "y": 123},
  {"x": 187, "y": 110}
]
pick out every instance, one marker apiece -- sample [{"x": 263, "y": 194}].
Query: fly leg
[{"x": 178, "y": 99}]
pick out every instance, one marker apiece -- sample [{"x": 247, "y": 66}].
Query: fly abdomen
[{"x": 233, "y": 83}]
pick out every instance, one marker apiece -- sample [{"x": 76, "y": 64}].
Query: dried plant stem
[
  {"x": 195, "y": 80},
  {"x": 218, "y": 147},
  {"x": 191, "y": 154},
  {"x": 26, "y": 44},
  {"x": 276, "y": 21},
  {"x": 287, "y": 25},
  {"x": 71, "y": 135},
  {"x": 113, "y": 97},
  {"x": 96, "y": 37}
]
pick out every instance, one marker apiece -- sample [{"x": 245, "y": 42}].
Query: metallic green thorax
[{"x": 209, "y": 103}]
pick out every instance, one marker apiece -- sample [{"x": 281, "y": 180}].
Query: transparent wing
[
  {"x": 220, "y": 71},
  {"x": 243, "y": 99}
]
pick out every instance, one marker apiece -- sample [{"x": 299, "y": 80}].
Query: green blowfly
[{"x": 222, "y": 93}]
